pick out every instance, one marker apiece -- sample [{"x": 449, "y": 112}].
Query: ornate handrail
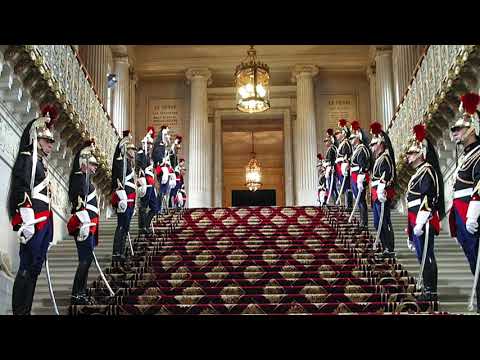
[
  {"x": 431, "y": 98},
  {"x": 75, "y": 91}
]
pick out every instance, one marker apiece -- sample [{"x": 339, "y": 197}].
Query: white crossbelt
[
  {"x": 149, "y": 173},
  {"x": 37, "y": 191},
  {"x": 375, "y": 183},
  {"x": 92, "y": 195},
  {"x": 128, "y": 177},
  {"x": 462, "y": 193},
  {"x": 92, "y": 208},
  {"x": 414, "y": 203},
  {"x": 339, "y": 159},
  {"x": 130, "y": 184},
  {"x": 355, "y": 168}
]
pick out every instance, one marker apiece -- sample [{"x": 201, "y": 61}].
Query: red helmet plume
[
  {"x": 319, "y": 156},
  {"x": 151, "y": 130},
  {"x": 342, "y": 123},
  {"x": 376, "y": 128},
  {"x": 420, "y": 132},
  {"x": 470, "y": 102},
  {"x": 355, "y": 125},
  {"x": 330, "y": 132},
  {"x": 52, "y": 112}
]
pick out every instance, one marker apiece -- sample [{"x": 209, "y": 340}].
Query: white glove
[
  {"x": 322, "y": 197},
  {"x": 28, "y": 216},
  {"x": 122, "y": 206},
  {"x": 360, "y": 180},
  {"x": 418, "y": 230},
  {"x": 142, "y": 191},
  {"x": 165, "y": 174},
  {"x": 472, "y": 225},
  {"x": 472, "y": 216},
  {"x": 83, "y": 233},
  {"x": 327, "y": 171},
  {"x": 344, "y": 168},
  {"x": 421, "y": 220},
  {"x": 410, "y": 245},
  {"x": 382, "y": 196}
]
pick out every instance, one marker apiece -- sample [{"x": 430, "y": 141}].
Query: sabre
[
  {"x": 102, "y": 274},
  {"x": 357, "y": 200},
  {"x": 330, "y": 190},
  {"x": 341, "y": 191},
  {"x": 475, "y": 282},
  {"x": 49, "y": 282},
  {"x": 424, "y": 256},
  {"x": 130, "y": 242}
]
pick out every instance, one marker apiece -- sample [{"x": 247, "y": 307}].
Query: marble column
[
  {"x": 384, "y": 86},
  {"x": 200, "y": 149},
  {"x": 132, "y": 105},
  {"x": 287, "y": 154},
  {"x": 305, "y": 150},
  {"x": 96, "y": 59},
  {"x": 121, "y": 91},
  {"x": 373, "y": 96},
  {"x": 405, "y": 59},
  {"x": 218, "y": 162}
]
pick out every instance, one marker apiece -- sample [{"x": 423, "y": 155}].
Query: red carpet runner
[{"x": 257, "y": 260}]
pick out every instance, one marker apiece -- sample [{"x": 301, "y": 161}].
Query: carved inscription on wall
[
  {"x": 340, "y": 107},
  {"x": 168, "y": 112}
]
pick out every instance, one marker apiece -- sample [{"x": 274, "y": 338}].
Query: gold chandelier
[
  {"x": 252, "y": 81},
  {"x": 253, "y": 173}
]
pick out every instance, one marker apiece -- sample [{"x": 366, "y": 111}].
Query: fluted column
[
  {"x": 405, "y": 59},
  {"x": 384, "y": 88},
  {"x": 305, "y": 150},
  {"x": 200, "y": 147},
  {"x": 96, "y": 59},
  {"x": 373, "y": 96},
  {"x": 132, "y": 107},
  {"x": 121, "y": 97}
]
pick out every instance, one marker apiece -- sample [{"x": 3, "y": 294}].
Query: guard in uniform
[
  {"x": 426, "y": 206},
  {"x": 160, "y": 147},
  {"x": 83, "y": 224},
  {"x": 342, "y": 162},
  {"x": 179, "y": 173},
  {"x": 382, "y": 191},
  {"x": 146, "y": 183},
  {"x": 123, "y": 192},
  {"x": 29, "y": 206},
  {"x": 175, "y": 147},
  {"x": 360, "y": 167},
  {"x": 465, "y": 211},
  {"x": 329, "y": 164},
  {"x": 322, "y": 183},
  {"x": 167, "y": 179}
]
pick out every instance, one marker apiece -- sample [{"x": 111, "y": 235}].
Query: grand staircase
[{"x": 256, "y": 260}]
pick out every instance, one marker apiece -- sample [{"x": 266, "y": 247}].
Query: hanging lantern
[
  {"x": 252, "y": 82},
  {"x": 253, "y": 173}
]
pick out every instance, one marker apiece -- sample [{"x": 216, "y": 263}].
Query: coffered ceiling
[{"x": 158, "y": 61}]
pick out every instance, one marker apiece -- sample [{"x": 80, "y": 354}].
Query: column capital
[
  {"x": 194, "y": 72},
  {"x": 309, "y": 70},
  {"x": 121, "y": 60},
  {"x": 371, "y": 70}
]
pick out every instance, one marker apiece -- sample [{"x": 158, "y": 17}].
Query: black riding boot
[
  {"x": 23, "y": 291},
  {"x": 119, "y": 244},
  {"x": 79, "y": 288},
  {"x": 430, "y": 274},
  {"x": 142, "y": 220},
  {"x": 148, "y": 222}
]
